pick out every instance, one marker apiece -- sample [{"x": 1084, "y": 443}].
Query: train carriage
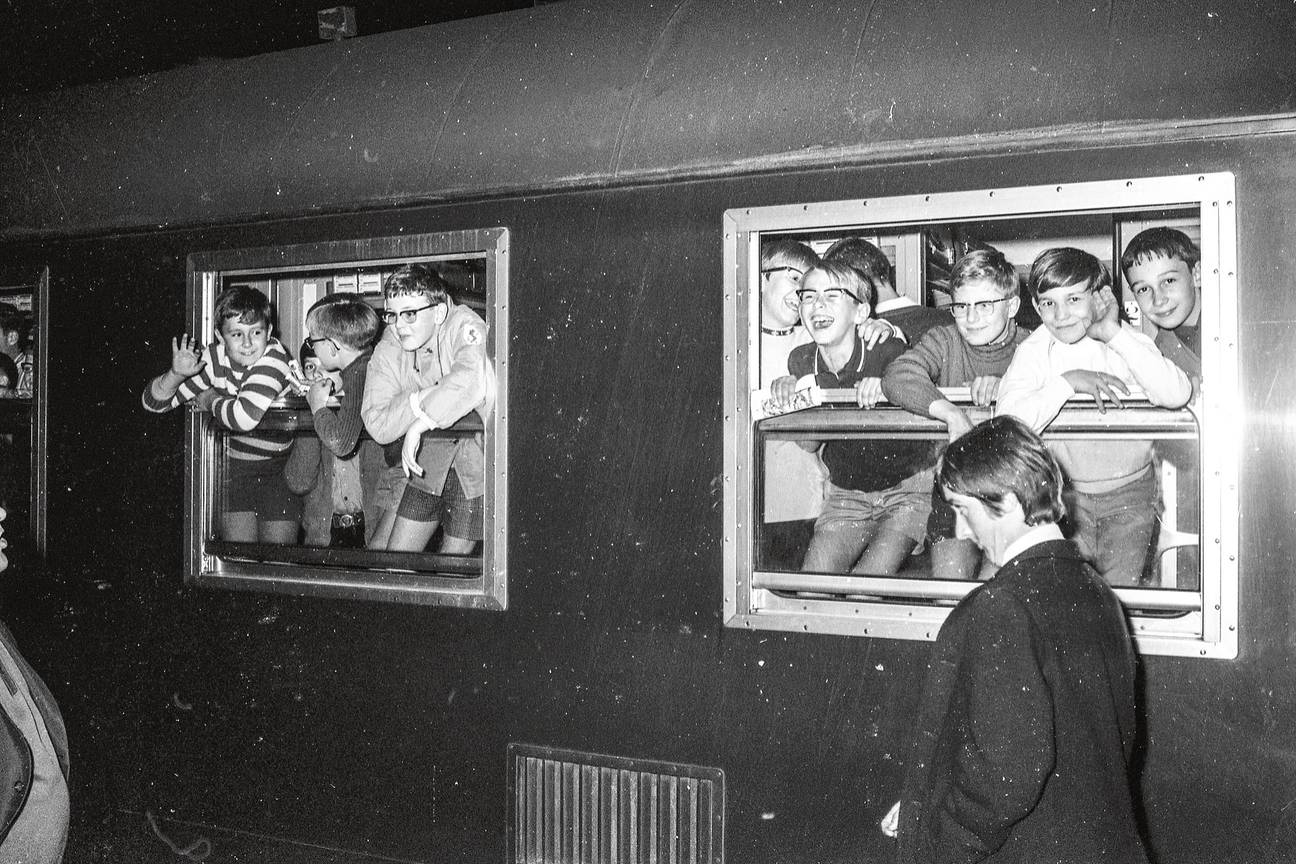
[{"x": 629, "y": 668}]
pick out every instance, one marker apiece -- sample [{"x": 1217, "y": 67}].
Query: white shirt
[{"x": 1036, "y": 535}]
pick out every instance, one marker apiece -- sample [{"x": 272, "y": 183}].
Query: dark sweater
[
  {"x": 1026, "y": 725},
  {"x": 340, "y": 430},
  {"x": 862, "y": 465}
]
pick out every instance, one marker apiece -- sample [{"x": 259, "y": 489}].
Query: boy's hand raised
[
  {"x": 318, "y": 395},
  {"x": 1099, "y": 385},
  {"x": 1106, "y": 315},
  {"x": 186, "y": 356}
]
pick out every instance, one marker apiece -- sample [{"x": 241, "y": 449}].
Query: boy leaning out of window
[
  {"x": 236, "y": 378},
  {"x": 429, "y": 370},
  {"x": 1083, "y": 348}
]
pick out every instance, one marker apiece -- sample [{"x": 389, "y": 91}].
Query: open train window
[
  {"x": 330, "y": 550},
  {"x": 790, "y": 567},
  {"x": 24, "y": 323}
]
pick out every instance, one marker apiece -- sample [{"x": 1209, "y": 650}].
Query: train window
[
  {"x": 831, "y": 524},
  {"x": 283, "y": 507},
  {"x": 23, "y": 401}
]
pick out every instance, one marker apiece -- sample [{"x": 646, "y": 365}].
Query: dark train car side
[{"x": 300, "y": 722}]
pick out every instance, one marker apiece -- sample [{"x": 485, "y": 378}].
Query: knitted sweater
[
  {"x": 943, "y": 359},
  {"x": 247, "y": 395}
]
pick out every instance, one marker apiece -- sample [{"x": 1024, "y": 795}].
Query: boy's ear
[
  {"x": 1196, "y": 275},
  {"x": 1014, "y": 305},
  {"x": 439, "y": 313},
  {"x": 862, "y": 312},
  {"x": 11, "y": 337}
]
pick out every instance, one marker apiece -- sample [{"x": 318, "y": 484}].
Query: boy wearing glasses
[
  {"x": 782, "y": 265},
  {"x": 974, "y": 352},
  {"x": 908, "y": 317},
  {"x": 429, "y": 370},
  {"x": 793, "y": 478},
  {"x": 1084, "y": 348},
  {"x": 875, "y": 505},
  {"x": 335, "y": 463},
  {"x": 237, "y": 378}
]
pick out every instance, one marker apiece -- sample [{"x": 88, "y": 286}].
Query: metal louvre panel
[{"x": 569, "y": 807}]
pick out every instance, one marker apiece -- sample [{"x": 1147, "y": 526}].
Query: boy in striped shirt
[{"x": 236, "y": 378}]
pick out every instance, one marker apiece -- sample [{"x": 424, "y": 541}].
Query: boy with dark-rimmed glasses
[
  {"x": 429, "y": 370},
  {"x": 875, "y": 507},
  {"x": 974, "y": 352},
  {"x": 336, "y": 463}
]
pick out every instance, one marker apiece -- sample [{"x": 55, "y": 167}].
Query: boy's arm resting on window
[
  {"x": 910, "y": 379},
  {"x": 1029, "y": 390},
  {"x": 1166, "y": 385},
  {"x": 461, "y": 389},
  {"x": 385, "y": 408},
  {"x": 1008, "y": 751},
  {"x": 266, "y": 381}
]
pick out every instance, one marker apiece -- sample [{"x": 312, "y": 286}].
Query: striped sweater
[{"x": 246, "y": 395}]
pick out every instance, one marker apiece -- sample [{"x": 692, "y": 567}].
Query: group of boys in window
[
  {"x": 391, "y": 489},
  {"x": 837, "y": 321}
]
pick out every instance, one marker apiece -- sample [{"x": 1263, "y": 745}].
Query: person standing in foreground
[
  {"x": 1027, "y": 720},
  {"x": 34, "y": 806}
]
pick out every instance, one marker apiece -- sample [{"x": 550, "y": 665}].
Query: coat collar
[{"x": 1048, "y": 549}]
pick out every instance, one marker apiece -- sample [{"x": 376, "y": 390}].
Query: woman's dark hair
[{"x": 1003, "y": 457}]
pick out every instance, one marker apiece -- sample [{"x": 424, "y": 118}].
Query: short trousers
[
  {"x": 259, "y": 486},
  {"x": 390, "y": 488},
  {"x": 903, "y": 508},
  {"x": 459, "y": 515}
]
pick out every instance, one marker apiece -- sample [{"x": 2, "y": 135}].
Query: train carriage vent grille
[{"x": 570, "y": 807}]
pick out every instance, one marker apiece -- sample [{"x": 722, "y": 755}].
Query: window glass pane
[
  {"x": 371, "y": 471},
  {"x": 835, "y": 502}
]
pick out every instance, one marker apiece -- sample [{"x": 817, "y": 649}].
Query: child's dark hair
[
  {"x": 245, "y": 304},
  {"x": 1160, "y": 242},
  {"x": 416, "y": 279},
  {"x": 864, "y": 257},
  {"x": 845, "y": 276},
  {"x": 346, "y": 319},
  {"x": 1055, "y": 268},
  {"x": 1003, "y": 457},
  {"x": 988, "y": 265},
  {"x": 794, "y": 252}
]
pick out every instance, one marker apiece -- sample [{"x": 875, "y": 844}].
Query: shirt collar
[
  {"x": 893, "y": 304},
  {"x": 1036, "y": 535}
]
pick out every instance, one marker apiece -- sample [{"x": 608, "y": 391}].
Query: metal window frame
[
  {"x": 205, "y": 563},
  {"x": 1210, "y": 631}
]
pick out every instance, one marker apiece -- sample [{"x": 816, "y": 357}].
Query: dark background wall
[{"x": 382, "y": 728}]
